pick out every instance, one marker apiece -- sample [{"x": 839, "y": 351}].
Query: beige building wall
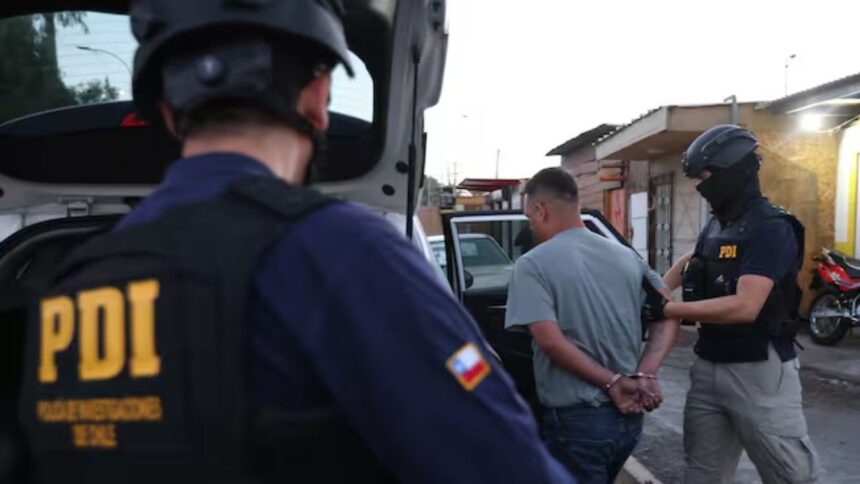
[{"x": 799, "y": 173}]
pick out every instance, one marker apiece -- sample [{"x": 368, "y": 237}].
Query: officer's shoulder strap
[
  {"x": 777, "y": 211},
  {"x": 759, "y": 212},
  {"x": 705, "y": 232},
  {"x": 260, "y": 208},
  {"x": 764, "y": 210},
  {"x": 772, "y": 211}
]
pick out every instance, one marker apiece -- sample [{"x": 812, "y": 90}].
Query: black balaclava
[{"x": 729, "y": 190}]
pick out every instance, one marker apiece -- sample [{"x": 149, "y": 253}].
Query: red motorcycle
[{"x": 836, "y": 309}]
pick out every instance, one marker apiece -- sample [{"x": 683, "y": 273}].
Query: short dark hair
[
  {"x": 555, "y": 182},
  {"x": 223, "y": 117}
]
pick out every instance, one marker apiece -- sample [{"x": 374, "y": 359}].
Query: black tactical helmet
[
  {"x": 719, "y": 147},
  {"x": 192, "y": 51}
]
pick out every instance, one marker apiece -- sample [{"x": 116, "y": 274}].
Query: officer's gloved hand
[{"x": 653, "y": 309}]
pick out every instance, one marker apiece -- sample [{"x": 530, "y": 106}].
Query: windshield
[
  {"x": 482, "y": 252},
  {"x": 62, "y": 59},
  {"x": 439, "y": 253}
]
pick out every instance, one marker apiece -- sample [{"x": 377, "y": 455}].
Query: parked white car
[{"x": 485, "y": 264}]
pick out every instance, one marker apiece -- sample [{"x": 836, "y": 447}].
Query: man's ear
[
  {"x": 542, "y": 211},
  {"x": 169, "y": 119},
  {"x": 313, "y": 102}
]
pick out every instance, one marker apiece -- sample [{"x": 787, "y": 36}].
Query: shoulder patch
[{"x": 468, "y": 366}]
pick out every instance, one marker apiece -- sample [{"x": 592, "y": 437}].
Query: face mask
[
  {"x": 718, "y": 192},
  {"x": 729, "y": 189}
]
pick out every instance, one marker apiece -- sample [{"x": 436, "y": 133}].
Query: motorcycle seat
[{"x": 851, "y": 266}]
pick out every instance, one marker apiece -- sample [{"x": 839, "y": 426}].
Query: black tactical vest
[
  {"x": 134, "y": 359},
  {"x": 714, "y": 272}
]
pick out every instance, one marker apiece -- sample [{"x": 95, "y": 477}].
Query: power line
[
  {"x": 98, "y": 30},
  {"x": 453, "y": 173},
  {"x": 124, "y": 35},
  {"x": 100, "y": 42},
  {"x": 95, "y": 77},
  {"x": 129, "y": 53},
  {"x": 96, "y": 72},
  {"x": 83, "y": 64}
]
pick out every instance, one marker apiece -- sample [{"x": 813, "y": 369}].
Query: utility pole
[
  {"x": 453, "y": 174},
  {"x": 735, "y": 116},
  {"x": 785, "y": 76},
  {"x": 498, "y": 157}
]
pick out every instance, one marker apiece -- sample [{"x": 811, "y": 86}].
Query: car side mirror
[{"x": 470, "y": 279}]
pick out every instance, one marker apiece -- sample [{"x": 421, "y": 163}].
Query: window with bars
[{"x": 660, "y": 246}]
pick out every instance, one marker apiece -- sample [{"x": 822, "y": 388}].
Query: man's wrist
[
  {"x": 670, "y": 310},
  {"x": 612, "y": 381},
  {"x": 643, "y": 375}
]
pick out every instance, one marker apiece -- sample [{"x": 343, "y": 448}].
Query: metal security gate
[{"x": 660, "y": 247}]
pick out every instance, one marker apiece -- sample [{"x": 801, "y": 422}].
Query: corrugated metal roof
[
  {"x": 582, "y": 139},
  {"x": 835, "y": 89},
  {"x": 652, "y": 111},
  {"x": 621, "y": 128}
]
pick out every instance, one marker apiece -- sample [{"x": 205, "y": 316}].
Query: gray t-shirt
[{"x": 592, "y": 287}]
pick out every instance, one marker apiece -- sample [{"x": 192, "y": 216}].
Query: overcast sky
[
  {"x": 524, "y": 76},
  {"x": 105, "y": 49}
]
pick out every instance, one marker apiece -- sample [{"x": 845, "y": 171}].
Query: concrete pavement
[
  {"x": 831, "y": 379},
  {"x": 841, "y": 361}
]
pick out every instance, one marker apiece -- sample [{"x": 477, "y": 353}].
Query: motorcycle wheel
[{"x": 827, "y": 330}]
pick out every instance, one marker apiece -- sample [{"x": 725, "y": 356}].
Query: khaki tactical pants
[{"x": 754, "y": 406}]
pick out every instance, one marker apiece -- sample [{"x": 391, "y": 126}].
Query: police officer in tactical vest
[
  {"x": 235, "y": 327},
  {"x": 740, "y": 286}
]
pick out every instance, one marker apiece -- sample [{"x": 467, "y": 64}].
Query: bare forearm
[
  {"x": 721, "y": 310},
  {"x": 566, "y": 355},
  {"x": 662, "y": 338},
  {"x": 674, "y": 276}
]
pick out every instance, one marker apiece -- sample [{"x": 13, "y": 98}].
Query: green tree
[
  {"x": 95, "y": 91},
  {"x": 30, "y": 77},
  {"x": 47, "y": 29}
]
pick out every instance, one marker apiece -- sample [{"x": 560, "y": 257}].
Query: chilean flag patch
[{"x": 468, "y": 366}]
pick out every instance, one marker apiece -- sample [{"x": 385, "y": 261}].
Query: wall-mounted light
[{"x": 812, "y": 122}]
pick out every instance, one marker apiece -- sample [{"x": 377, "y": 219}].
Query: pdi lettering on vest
[
  {"x": 729, "y": 252},
  {"x": 101, "y": 322},
  {"x": 190, "y": 420}
]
